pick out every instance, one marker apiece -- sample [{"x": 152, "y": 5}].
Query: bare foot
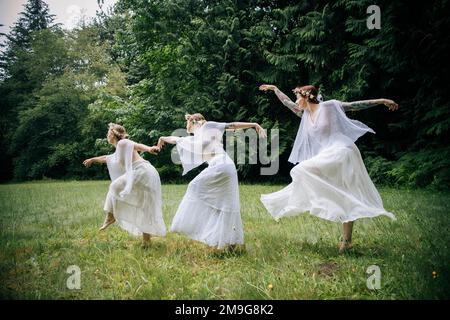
[
  {"x": 345, "y": 246},
  {"x": 146, "y": 240},
  {"x": 109, "y": 220}
]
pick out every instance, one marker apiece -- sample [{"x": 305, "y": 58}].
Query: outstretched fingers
[
  {"x": 154, "y": 150},
  {"x": 160, "y": 143},
  {"x": 391, "y": 105},
  {"x": 261, "y": 132},
  {"x": 265, "y": 87},
  {"x": 87, "y": 163}
]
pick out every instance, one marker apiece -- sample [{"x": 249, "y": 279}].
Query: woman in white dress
[
  {"x": 329, "y": 180},
  {"x": 210, "y": 209},
  {"x": 134, "y": 196}
]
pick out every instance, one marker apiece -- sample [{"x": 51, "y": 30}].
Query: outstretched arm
[
  {"x": 144, "y": 148},
  {"x": 168, "y": 139},
  {"x": 245, "y": 125},
  {"x": 88, "y": 162},
  {"x": 365, "y": 104},
  {"x": 283, "y": 98}
]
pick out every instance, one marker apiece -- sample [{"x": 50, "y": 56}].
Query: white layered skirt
[
  {"x": 333, "y": 185},
  {"x": 140, "y": 211},
  {"x": 209, "y": 211}
]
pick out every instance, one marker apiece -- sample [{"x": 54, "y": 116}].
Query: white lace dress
[
  {"x": 134, "y": 195},
  {"x": 330, "y": 180},
  {"x": 209, "y": 211}
]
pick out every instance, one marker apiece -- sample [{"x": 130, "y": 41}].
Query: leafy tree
[
  {"x": 147, "y": 62},
  {"x": 56, "y": 130},
  {"x": 210, "y": 56},
  {"x": 16, "y": 83}
]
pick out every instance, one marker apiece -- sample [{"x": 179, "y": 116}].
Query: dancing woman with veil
[
  {"x": 134, "y": 196},
  {"x": 210, "y": 209},
  {"x": 329, "y": 180}
]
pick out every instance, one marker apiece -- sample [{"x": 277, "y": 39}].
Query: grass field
[{"x": 47, "y": 226}]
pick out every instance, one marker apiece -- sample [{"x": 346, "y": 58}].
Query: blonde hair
[
  {"x": 193, "y": 119},
  {"x": 118, "y": 131},
  {"x": 196, "y": 117}
]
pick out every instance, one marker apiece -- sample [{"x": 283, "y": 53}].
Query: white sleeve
[
  {"x": 216, "y": 125},
  {"x": 190, "y": 151},
  {"x": 124, "y": 151}
]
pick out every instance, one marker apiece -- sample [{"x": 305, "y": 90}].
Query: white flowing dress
[
  {"x": 209, "y": 211},
  {"x": 134, "y": 196},
  {"x": 330, "y": 180}
]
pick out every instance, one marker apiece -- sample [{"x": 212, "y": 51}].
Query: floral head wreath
[{"x": 305, "y": 93}]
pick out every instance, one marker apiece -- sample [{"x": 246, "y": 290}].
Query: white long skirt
[
  {"x": 140, "y": 211},
  {"x": 333, "y": 185},
  {"x": 210, "y": 211}
]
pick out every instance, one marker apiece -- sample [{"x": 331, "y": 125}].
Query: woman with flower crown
[
  {"x": 210, "y": 209},
  {"x": 329, "y": 180},
  {"x": 134, "y": 196}
]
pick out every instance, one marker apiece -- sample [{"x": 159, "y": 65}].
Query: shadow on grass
[
  {"x": 154, "y": 247},
  {"x": 325, "y": 250},
  {"x": 234, "y": 251}
]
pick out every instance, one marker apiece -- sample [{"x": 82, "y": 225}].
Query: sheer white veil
[
  {"x": 331, "y": 126},
  {"x": 120, "y": 162},
  {"x": 195, "y": 150}
]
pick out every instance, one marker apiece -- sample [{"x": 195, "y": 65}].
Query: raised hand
[
  {"x": 390, "y": 104},
  {"x": 261, "y": 132},
  {"x": 154, "y": 149},
  {"x": 266, "y": 87},
  {"x": 88, "y": 162},
  {"x": 160, "y": 143}
]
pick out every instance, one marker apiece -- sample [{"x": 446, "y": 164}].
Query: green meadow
[{"x": 45, "y": 227}]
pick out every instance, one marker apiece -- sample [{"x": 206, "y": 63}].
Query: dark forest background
[{"x": 146, "y": 63}]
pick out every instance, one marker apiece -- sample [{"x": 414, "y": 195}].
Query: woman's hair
[
  {"x": 309, "y": 92},
  {"x": 194, "y": 118},
  {"x": 118, "y": 131}
]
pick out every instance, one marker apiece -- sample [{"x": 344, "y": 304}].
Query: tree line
[{"x": 146, "y": 63}]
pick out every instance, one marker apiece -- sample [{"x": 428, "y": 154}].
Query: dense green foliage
[{"x": 149, "y": 61}]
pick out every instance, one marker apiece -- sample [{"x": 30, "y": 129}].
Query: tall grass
[{"x": 45, "y": 227}]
